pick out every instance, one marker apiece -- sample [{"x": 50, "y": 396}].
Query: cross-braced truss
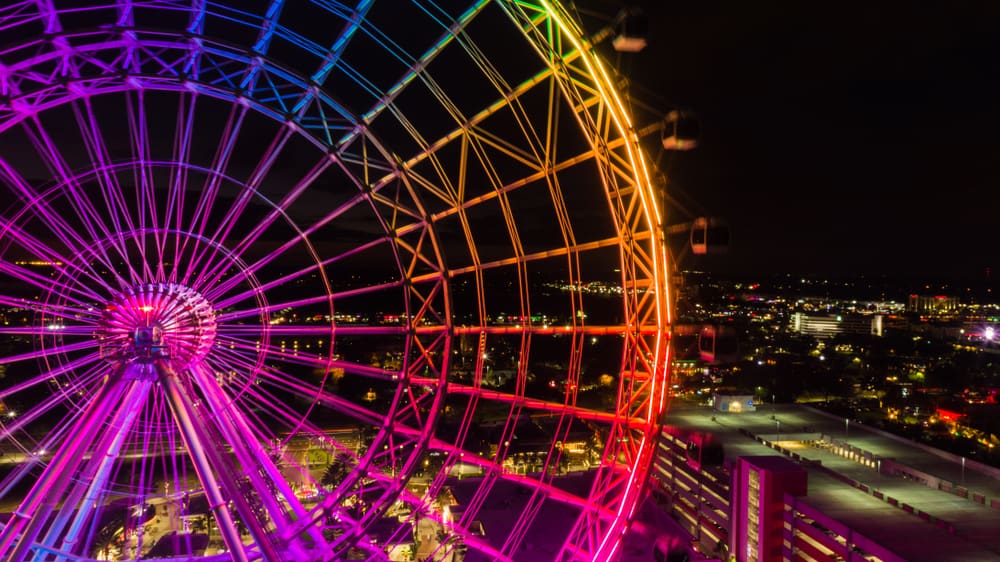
[{"x": 319, "y": 280}]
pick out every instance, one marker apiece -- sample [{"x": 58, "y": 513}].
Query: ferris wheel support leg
[
  {"x": 241, "y": 437},
  {"x": 98, "y": 473},
  {"x": 33, "y": 513},
  {"x": 183, "y": 413},
  {"x": 205, "y": 437}
]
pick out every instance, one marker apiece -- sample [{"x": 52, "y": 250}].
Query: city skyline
[{"x": 199, "y": 362}]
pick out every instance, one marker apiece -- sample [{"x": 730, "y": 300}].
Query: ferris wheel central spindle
[
  {"x": 158, "y": 338},
  {"x": 158, "y": 321}
]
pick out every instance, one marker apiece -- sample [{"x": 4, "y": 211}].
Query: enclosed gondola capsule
[
  {"x": 718, "y": 344},
  {"x": 633, "y": 26},
  {"x": 680, "y": 131},
  {"x": 709, "y": 235}
]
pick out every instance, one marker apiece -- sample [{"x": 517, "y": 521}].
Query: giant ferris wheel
[{"x": 321, "y": 280}]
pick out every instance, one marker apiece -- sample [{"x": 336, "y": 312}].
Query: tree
[{"x": 338, "y": 469}]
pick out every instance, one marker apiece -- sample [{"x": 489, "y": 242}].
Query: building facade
[
  {"x": 932, "y": 305},
  {"x": 760, "y": 484},
  {"x": 831, "y": 324}
]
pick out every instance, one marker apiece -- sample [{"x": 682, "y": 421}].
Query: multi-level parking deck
[{"x": 871, "y": 495}]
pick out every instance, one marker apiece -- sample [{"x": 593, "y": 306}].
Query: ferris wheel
[{"x": 321, "y": 280}]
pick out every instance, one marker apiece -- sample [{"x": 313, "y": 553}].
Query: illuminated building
[
  {"x": 734, "y": 403},
  {"x": 932, "y": 305},
  {"x": 760, "y": 484},
  {"x": 831, "y": 324}
]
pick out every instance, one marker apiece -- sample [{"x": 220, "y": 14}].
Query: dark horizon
[{"x": 855, "y": 139}]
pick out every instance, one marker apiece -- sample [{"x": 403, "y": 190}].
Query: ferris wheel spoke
[
  {"x": 70, "y": 367},
  {"x": 219, "y": 292},
  {"x": 271, "y": 308},
  {"x": 282, "y": 415},
  {"x": 42, "y": 353},
  {"x": 212, "y": 277},
  {"x": 305, "y": 390},
  {"x": 364, "y": 481},
  {"x": 109, "y": 187},
  {"x": 46, "y": 254},
  {"x": 85, "y": 315},
  {"x": 65, "y": 265},
  {"x": 22, "y": 529},
  {"x": 48, "y": 330},
  {"x": 242, "y": 440},
  {"x": 82, "y": 381},
  {"x": 202, "y": 448},
  {"x": 94, "y": 227},
  {"x": 334, "y": 296},
  {"x": 76, "y": 293},
  {"x": 338, "y": 403},
  {"x": 145, "y": 207},
  {"x": 304, "y": 234},
  {"x": 173, "y": 208},
  {"x": 353, "y": 368},
  {"x": 246, "y": 348},
  {"x": 56, "y": 224},
  {"x": 250, "y": 189},
  {"x": 301, "y": 523},
  {"x": 202, "y": 215},
  {"x": 244, "y": 397},
  {"x": 53, "y": 442},
  {"x": 33, "y": 457},
  {"x": 277, "y": 411},
  {"x": 89, "y": 486},
  {"x": 397, "y": 448}
]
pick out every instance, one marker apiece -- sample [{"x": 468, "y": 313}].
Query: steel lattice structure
[{"x": 319, "y": 279}]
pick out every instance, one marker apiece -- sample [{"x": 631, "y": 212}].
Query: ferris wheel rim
[{"x": 627, "y": 417}]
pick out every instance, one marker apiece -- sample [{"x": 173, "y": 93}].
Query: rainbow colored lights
[{"x": 260, "y": 262}]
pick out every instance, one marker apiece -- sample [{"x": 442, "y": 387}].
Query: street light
[
  {"x": 846, "y": 428},
  {"x": 778, "y": 423}
]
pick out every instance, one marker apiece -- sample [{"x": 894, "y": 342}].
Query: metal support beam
[
  {"x": 185, "y": 416},
  {"x": 257, "y": 464},
  {"x": 90, "y": 488},
  {"x": 31, "y": 516}
]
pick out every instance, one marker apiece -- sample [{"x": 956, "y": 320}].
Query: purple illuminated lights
[
  {"x": 158, "y": 320},
  {"x": 192, "y": 194}
]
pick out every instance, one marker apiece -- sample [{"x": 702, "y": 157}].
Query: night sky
[{"x": 837, "y": 139}]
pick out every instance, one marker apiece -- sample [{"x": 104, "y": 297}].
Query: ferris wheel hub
[{"x": 157, "y": 321}]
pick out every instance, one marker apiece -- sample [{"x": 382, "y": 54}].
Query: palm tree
[{"x": 337, "y": 470}]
